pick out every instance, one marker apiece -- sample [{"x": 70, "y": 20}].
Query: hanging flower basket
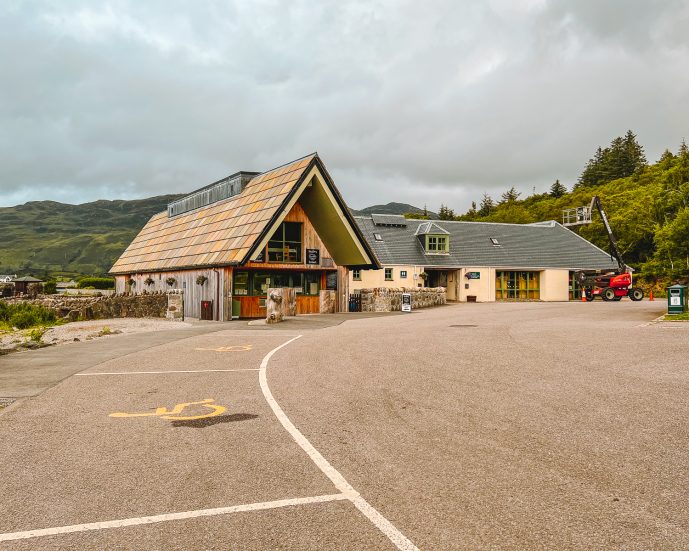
[
  {"x": 423, "y": 275},
  {"x": 170, "y": 281},
  {"x": 149, "y": 281},
  {"x": 131, "y": 283},
  {"x": 201, "y": 280}
]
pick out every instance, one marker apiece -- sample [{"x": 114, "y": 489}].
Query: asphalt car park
[{"x": 506, "y": 426}]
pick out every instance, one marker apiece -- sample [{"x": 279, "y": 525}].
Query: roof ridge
[{"x": 314, "y": 154}]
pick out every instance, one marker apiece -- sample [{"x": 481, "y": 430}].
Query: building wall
[
  {"x": 483, "y": 288},
  {"x": 185, "y": 280},
  {"x": 555, "y": 285},
  {"x": 376, "y": 278}
]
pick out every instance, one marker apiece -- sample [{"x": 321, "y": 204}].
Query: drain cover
[{"x": 464, "y": 325}]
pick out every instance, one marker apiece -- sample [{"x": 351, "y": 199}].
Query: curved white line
[{"x": 383, "y": 524}]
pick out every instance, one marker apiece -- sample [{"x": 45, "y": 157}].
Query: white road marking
[
  {"x": 169, "y": 516},
  {"x": 383, "y": 524},
  {"x": 159, "y": 372}
]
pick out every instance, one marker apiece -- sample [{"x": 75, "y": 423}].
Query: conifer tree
[
  {"x": 487, "y": 205},
  {"x": 510, "y": 196},
  {"x": 557, "y": 189}
]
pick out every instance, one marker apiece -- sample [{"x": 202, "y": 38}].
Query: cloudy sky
[{"x": 418, "y": 102}]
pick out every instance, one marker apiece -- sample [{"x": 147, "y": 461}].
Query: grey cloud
[{"x": 413, "y": 102}]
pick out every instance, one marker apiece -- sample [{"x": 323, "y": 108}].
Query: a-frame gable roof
[{"x": 229, "y": 232}]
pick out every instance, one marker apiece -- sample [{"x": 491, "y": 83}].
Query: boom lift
[{"x": 608, "y": 284}]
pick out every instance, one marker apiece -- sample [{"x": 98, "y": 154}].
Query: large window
[
  {"x": 517, "y": 286},
  {"x": 256, "y": 284},
  {"x": 285, "y": 245},
  {"x": 437, "y": 244}
]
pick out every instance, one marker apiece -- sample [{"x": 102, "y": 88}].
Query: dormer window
[{"x": 437, "y": 244}]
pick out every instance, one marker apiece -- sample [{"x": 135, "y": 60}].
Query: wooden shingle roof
[{"x": 219, "y": 234}]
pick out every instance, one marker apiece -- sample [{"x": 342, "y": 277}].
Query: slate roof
[
  {"x": 217, "y": 234},
  {"x": 541, "y": 245}
]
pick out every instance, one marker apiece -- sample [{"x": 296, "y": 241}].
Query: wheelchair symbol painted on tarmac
[
  {"x": 174, "y": 413},
  {"x": 235, "y": 348}
]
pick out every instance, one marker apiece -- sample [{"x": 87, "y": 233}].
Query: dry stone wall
[
  {"x": 384, "y": 299},
  {"x": 126, "y": 305}
]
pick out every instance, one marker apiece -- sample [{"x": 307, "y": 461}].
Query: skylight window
[
  {"x": 494, "y": 241},
  {"x": 377, "y": 237}
]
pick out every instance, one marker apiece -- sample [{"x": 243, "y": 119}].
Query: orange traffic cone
[
  {"x": 583, "y": 297},
  {"x": 650, "y": 297}
]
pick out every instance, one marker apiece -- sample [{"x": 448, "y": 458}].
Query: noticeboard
[
  {"x": 313, "y": 256},
  {"x": 406, "y": 302},
  {"x": 473, "y": 275}
]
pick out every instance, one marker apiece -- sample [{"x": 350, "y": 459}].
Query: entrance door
[{"x": 437, "y": 278}]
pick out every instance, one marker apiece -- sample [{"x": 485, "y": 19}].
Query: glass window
[
  {"x": 403, "y": 274},
  {"x": 312, "y": 283},
  {"x": 261, "y": 283},
  {"x": 436, "y": 243},
  {"x": 356, "y": 274},
  {"x": 517, "y": 285},
  {"x": 285, "y": 244},
  {"x": 388, "y": 274},
  {"x": 241, "y": 283},
  {"x": 377, "y": 237}
]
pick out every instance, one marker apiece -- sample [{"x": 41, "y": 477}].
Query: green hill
[
  {"x": 393, "y": 208},
  {"x": 49, "y": 238}
]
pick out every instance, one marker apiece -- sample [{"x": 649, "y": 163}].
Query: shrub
[
  {"x": 50, "y": 287},
  {"x": 96, "y": 283},
  {"x": 23, "y": 316}
]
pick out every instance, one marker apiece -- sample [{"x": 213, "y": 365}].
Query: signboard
[
  {"x": 674, "y": 301},
  {"x": 473, "y": 275},
  {"x": 313, "y": 256},
  {"x": 406, "y": 302}
]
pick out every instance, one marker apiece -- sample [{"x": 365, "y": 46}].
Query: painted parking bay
[{"x": 84, "y": 465}]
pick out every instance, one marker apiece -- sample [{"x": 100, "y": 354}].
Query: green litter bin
[{"x": 676, "y": 299}]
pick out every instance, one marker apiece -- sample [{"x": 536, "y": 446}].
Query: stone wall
[
  {"x": 149, "y": 305},
  {"x": 384, "y": 299}
]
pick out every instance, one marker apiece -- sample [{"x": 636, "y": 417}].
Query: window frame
[
  {"x": 390, "y": 277},
  {"x": 403, "y": 274},
  {"x": 356, "y": 274},
  {"x": 286, "y": 245},
  {"x": 437, "y": 243}
]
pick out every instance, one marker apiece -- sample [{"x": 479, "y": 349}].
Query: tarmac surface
[{"x": 471, "y": 426}]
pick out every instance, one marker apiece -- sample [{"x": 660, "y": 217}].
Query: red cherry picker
[{"x": 610, "y": 285}]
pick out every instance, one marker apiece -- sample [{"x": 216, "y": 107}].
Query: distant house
[
  {"x": 21, "y": 284},
  {"x": 62, "y": 285},
  {"x": 7, "y": 278}
]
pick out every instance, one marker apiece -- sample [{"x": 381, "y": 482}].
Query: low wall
[
  {"x": 148, "y": 305},
  {"x": 384, "y": 299}
]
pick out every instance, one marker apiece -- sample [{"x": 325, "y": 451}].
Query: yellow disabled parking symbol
[
  {"x": 174, "y": 413},
  {"x": 234, "y": 348}
]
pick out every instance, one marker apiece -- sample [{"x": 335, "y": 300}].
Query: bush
[
  {"x": 50, "y": 287},
  {"x": 96, "y": 283},
  {"x": 23, "y": 316}
]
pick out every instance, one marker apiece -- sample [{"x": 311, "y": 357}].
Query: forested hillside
[
  {"x": 49, "y": 238},
  {"x": 648, "y": 206}
]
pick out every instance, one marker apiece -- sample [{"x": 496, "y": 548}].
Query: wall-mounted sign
[
  {"x": 313, "y": 256},
  {"x": 473, "y": 275},
  {"x": 406, "y": 302}
]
